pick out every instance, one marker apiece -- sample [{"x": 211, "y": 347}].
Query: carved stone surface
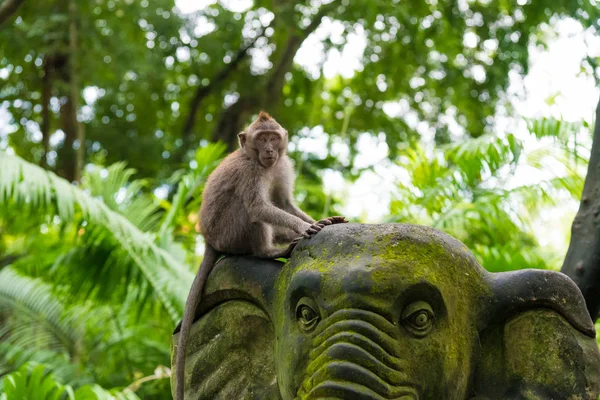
[{"x": 388, "y": 311}]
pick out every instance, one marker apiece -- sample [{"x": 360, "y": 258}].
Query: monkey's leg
[
  {"x": 262, "y": 242},
  {"x": 287, "y": 252},
  {"x": 283, "y": 234}
]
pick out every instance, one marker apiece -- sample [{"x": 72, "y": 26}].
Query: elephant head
[{"x": 388, "y": 311}]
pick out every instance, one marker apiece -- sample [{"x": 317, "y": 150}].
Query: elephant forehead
[
  {"x": 383, "y": 273},
  {"x": 379, "y": 260},
  {"x": 373, "y": 254}
]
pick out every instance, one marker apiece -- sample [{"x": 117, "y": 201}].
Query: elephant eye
[
  {"x": 306, "y": 315},
  {"x": 418, "y": 318}
]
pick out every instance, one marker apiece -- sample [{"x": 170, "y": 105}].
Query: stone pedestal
[{"x": 388, "y": 312}]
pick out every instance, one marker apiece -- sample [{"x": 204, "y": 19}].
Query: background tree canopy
[{"x": 137, "y": 101}]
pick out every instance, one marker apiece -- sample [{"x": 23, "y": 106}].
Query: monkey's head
[{"x": 264, "y": 140}]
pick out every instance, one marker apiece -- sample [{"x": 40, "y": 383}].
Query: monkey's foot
[
  {"x": 333, "y": 220},
  {"x": 287, "y": 253}
]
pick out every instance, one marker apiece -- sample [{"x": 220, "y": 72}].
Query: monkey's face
[{"x": 268, "y": 147}]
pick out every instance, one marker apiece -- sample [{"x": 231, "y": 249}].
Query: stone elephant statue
[{"x": 390, "y": 311}]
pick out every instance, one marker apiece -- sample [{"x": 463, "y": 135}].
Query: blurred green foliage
[
  {"x": 93, "y": 276},
  {"x": 468, "y": 189},
  {"x": 146, "y": 63},
  {"x": 96, "y": 276},
  {"x": 33, "y": 381}
]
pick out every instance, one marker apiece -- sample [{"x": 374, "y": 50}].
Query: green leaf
[{"x": 24, "y": 185}]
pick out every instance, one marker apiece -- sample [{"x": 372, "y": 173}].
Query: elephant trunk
[{"x": 354, "y": 356}]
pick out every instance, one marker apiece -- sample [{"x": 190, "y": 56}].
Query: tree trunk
[
  {"x": 66, "y": 162},
  {"x": 46, "y": 94},
  {"x": 8, "y": 8},
  {"x": 204, "y": 91},
  {"x": 232, "y": 121},
  {"x": 74, "y": 88},
  {"x": 71, "y": 158},
  {"x": 582, "y": 263}
]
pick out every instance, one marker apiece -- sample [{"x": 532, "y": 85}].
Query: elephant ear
[
  {"x": 522, "y": 290},
  {"x": 230, "y": 354},
  {"x": 537, "y": 340}
]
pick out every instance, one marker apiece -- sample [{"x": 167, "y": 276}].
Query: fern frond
[
  {"x": 35, "y": 381},
  {"x": 25, "y": 186},
  {"x": 485, "y": 154},
  {"x": 32, "y": 299}
]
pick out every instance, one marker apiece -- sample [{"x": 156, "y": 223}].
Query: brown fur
[{"x": 247, "y": 209}]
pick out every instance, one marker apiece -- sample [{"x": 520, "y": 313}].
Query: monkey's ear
[{"x": 242, "y": 139}]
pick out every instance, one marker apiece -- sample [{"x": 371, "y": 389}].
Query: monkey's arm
[
  {"x": 284, "y": 195},
  {"x": 260, "y": 209},
  {"x": 265, "y": 212},
  {"x": 295, "y": 210},
  {"x": 262, "y": 206}
]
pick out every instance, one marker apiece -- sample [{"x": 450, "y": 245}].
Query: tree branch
[
  {"x": 275, "y": 83},
  {"x": 582, "y": 263},
  {"x": 231, "y": 120},
  {"x": 8, "y": 8},
  {"x": 9, "y": 259},
  {"x": 204, "y": 91}
]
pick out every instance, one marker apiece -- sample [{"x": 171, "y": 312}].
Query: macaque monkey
[{"x": 247, "y": 209}]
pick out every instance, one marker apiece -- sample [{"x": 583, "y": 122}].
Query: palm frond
[
  {"x": 458, "y": 189},
  {"x": 72, "y": 340},
  {"x": 510, "y": 256},
  {"x": 33, "y": 382},
  {"x": 35, "y": 326},
  {"x": 553, "y": 128},
  {"x": 24, "y": 186},
  {"x": 485, "y": 154},
  {"x": 187, "y": 196},
  {"x": 33, "y": 301},
  {"x": 123, "y": 195},
  {"x": 36, "y": 381}
]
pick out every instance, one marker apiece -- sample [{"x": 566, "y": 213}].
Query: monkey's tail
[{"x": 209, "y": 260}]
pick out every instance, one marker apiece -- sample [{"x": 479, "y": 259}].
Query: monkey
[{"x": 247, "y": 209}]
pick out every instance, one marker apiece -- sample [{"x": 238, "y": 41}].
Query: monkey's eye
[
  {"x": 306, "y": 315},
  {"x": 262, "y": 139},
  {"x": 273, "y": 138},
  {"x": 418, "y": 318}
]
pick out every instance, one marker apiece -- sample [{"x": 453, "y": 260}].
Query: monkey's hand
[
  {"x": 333, "y": 220},
  {"x": 317, "y": 226},
  {"x": 312, "y": 229}
]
